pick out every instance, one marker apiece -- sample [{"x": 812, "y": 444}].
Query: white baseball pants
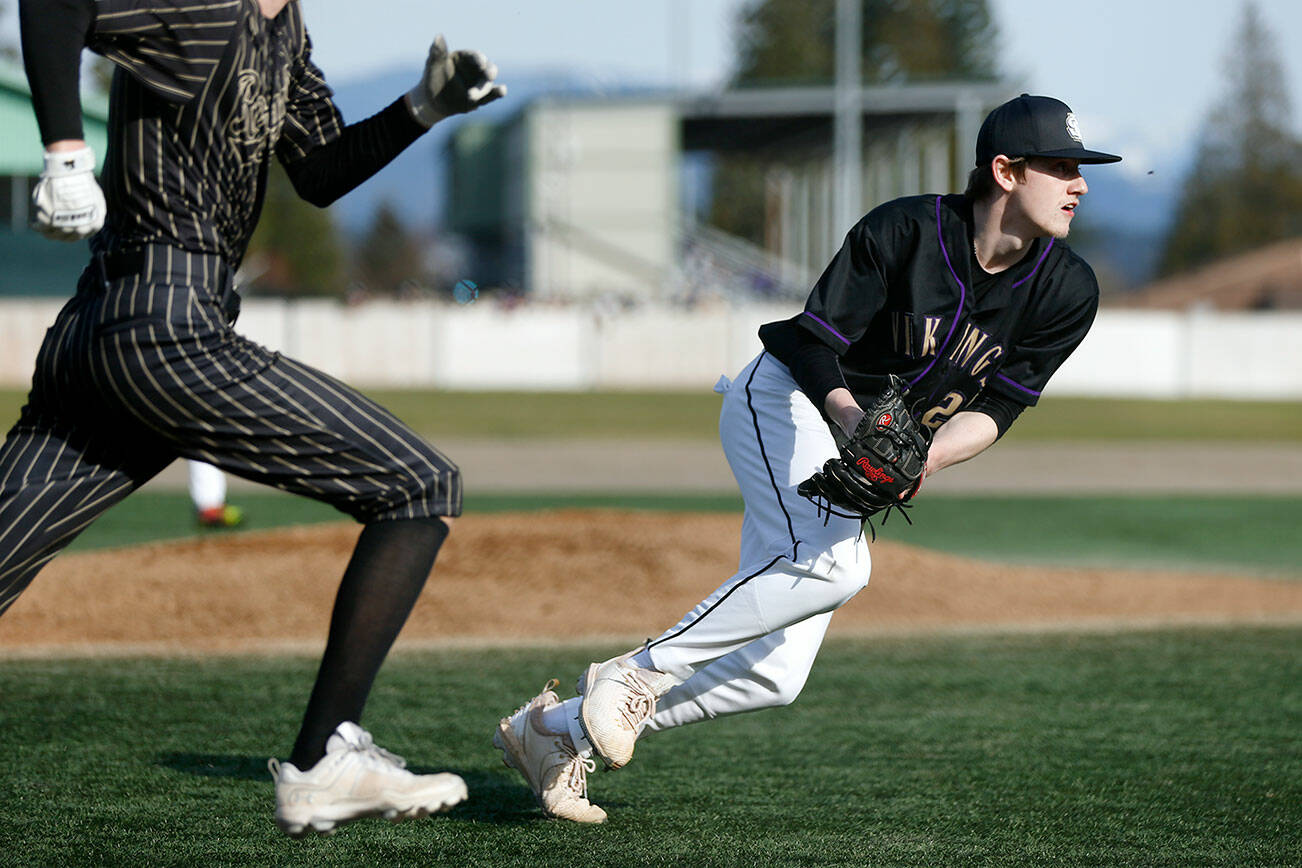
[{"x": 751, "y": 643}]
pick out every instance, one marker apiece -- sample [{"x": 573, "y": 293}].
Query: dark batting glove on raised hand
[
  {"x": 454, "y": 82},
  {"x": 67, "y": 204}
]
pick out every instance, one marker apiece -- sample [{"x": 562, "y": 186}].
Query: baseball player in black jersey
[
  {"x": 143, "y": 366},
  {"x": 973, "y": 301}
]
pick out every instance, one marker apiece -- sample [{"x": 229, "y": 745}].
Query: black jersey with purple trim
[{"x": 899, "y": 298}]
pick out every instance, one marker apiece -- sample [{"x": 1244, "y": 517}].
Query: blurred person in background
[{"x": 208, "y": 494}]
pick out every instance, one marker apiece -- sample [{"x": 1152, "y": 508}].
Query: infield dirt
[{"x": 565, "y": 576}]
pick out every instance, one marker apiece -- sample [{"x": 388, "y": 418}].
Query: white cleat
[
  {"x": 356, "y": 779},
  {"x": 618, "y": 700},
  {"x": 557, "y": 775}
]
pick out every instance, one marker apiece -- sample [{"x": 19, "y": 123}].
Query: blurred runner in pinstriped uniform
[{"x": 143, "y": 365}]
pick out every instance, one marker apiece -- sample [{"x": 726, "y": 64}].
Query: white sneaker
[
  {"x": 356, "y": 779},
  {"x": 619, "y": 699},
  {"x": 557, "y": 775}
]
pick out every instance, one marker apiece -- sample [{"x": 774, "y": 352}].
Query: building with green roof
[{"x": 31, "y": 264}]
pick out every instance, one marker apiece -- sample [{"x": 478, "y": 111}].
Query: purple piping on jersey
[
  {"x": 1038, "y": 263},
  {"x": 962, "y": 296},
  {"x": 1017, "y": 385},
  {"x": 828, "y": 327}
]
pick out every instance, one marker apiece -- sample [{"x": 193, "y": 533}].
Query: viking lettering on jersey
[
  {"x": 931, "y": 325},
  {"x": 970, "y": 351},
  {"x": 967, "y": 346},
  {"x": 983, "y": 361},
  {"x": 902, "y": 335}
]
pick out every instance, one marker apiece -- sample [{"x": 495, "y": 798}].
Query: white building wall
[
  {"x": 602, "y": 198},
  {"x": 22, "y": 328},
  {"x": 482, "y": 346},
  {"x": 1244, "y": 354},
  {"x": 1138, "y": 353}
]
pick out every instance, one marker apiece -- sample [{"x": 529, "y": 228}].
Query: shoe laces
[
  {"x": 579, "y": 766},
  {"x": 374, "y": 753},
  {"x": 639, "y": 704}
]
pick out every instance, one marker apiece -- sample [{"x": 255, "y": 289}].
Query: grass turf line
[
  {"x": 1234, "y": 534},
  {"x": 1154, "y": 748},
  {"x": 694, "y": 415}
]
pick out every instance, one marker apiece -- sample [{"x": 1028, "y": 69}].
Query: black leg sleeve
[{"x": 384, "y": 578}]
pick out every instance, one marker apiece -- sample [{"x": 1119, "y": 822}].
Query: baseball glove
[{"x": 880, "y": 466}]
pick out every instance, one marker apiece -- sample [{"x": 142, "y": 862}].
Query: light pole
[{"x": 847, "y": 196}]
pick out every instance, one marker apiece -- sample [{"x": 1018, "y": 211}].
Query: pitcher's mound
[{"x": 564, "y": 575}]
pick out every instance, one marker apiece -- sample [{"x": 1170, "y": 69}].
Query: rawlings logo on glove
[
  {"x": 881, "y": 464},
  {"x": 876, "y": 474}
]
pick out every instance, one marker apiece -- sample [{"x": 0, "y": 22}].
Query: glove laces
[{"x": 826, "y": 510}]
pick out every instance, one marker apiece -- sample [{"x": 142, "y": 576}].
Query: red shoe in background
[{"x": 221, "y": 516}]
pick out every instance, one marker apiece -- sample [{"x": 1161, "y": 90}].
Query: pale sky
[{"x": 1140, "y": 74}]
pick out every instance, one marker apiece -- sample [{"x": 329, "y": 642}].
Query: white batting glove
[
  {"x": 68, "y": 204},
  {"x": 453, "y": 83}
]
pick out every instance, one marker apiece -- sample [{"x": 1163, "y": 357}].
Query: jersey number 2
[{"x": 939, "y": 414}]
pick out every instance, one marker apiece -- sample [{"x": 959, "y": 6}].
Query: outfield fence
[{"x": 485, "y": 346}]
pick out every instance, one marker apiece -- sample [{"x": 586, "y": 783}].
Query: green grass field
[
  {"x": 1163, "y": 748},
  {"x": 1168, "y": 747},
  {"x": 695, "y": 415}
]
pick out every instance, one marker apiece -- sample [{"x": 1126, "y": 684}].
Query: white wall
[
  {"x": 1161, "y": 354},
  {"x": 602, "y": 199},
  {"x": 482, "y": 346}
]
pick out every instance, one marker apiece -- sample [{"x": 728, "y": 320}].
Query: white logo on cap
[{"x": 1073, "y": 128}]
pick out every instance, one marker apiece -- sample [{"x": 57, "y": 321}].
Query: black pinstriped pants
[{"x": 145, "y": 368}]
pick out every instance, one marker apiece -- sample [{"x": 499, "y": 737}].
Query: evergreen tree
[
  {"x": 8, "y": 42},
  {"x": 389, "y": 259},
  {"x": 1245, "y": 188},
  {"x": 295, "y": 250},
  {"x": 793, "y": 43}
]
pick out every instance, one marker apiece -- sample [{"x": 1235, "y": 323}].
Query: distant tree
[
  {"x": 1245, "y": 188},
  {"x": 295, "y": 250},
  {"x": 8, "y": 41},
  {"x": 389, "y": 257},
  {"x": 793, "y": 42}
]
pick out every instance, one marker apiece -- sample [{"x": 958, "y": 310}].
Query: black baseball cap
[{"x": 1034, "y": 126}]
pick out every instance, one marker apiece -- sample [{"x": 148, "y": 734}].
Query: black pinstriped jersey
[
  {"x": 202, "y": 95},
  {"x": 900, "y": 298}
]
